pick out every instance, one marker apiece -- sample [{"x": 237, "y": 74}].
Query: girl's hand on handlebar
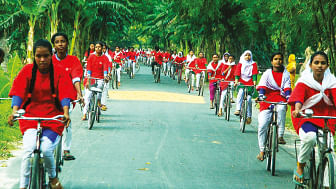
[
  {"x": 66, "y": 119},
  {"x": 11, "y": 120},
  {"x": 296, "y": 113}
]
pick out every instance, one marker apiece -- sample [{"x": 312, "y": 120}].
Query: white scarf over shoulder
[
  {"x": 247, "y": 66},
  {"x": 328, "y": 82},
  {"x": 268, "y": 81},
  {"x": 210, "y": 66}
]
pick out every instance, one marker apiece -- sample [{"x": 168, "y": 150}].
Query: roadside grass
[{"x": 9, "y": 136}]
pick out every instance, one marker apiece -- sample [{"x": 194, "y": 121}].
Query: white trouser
[
  {"x": 240, "y": 101},
  {"x": 164, "y": 66},
  {"x": 47, "y": 149},
  {"x": 308, "y": 142},
  {"x": 265, "y": 118},
  {"x": 186, "y": 72},
  {"x": 198, "y": 78},
  {"x": 223, "y": 95},
  {"x": 67, "y": 134},
  {"x": 105, "y": 93},
  {"x": 88, "y": 96},
  {"x": 118, "y": 73}
]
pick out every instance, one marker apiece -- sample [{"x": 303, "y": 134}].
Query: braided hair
[{"x": 46, "y": 44}]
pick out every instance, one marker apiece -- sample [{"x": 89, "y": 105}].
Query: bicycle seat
[{"x": 96, "y": 89}]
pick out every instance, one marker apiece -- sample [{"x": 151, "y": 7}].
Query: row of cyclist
[
  {"x": 47, "y": 91},
  {"x": 59, "y": 76},
  {"x": 315, "y": 90},
  {"x": 314, "y": 94}
]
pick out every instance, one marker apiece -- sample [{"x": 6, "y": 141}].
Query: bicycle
[
  {"x": 271, "y": 143},
  {"x": 201, "y": 83},
  {"x": 37, "y": 177},
  {"x": 325, "y": 167},
  {"x": 137, "y": 67},
  {"x": 157, "y": 72},
  {"x": 216, "y": 99},
  {"x": 179, "y": 72},
  {"x": 94, "y": 109},
  {"x": 189, "y": 79},
  {"x": 243, "y": 109},
  {"x": 227, "y": 100}
]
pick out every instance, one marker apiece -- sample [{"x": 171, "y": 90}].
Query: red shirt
[
  {"x": 131, "y": 55},
  {"x": 167, "y": 56},
  {"x": 301, "y": 93},
  {"x": 214, "y": 70},
  {"x": 159, "y": 57},
  {"x": 86, "y": 53},
  {"x": 200, "y": 63},
  {"x": 180, "y": 59},
  {"x": 238, "y": 73},
  {"x": 117, "y": 57},
  {"x": 42, "y": 102},
  {"x": 273, "y": 95},
  {"x": 97, "y": 65}
]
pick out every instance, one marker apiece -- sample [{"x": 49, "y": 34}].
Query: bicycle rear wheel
[
  {"x": 116, "y": 79},
  {"x": 243, "y": 115},
  {"x": 35, "y": 172},
  {"x": 274, "y": 147},
  {"x": 268, "y": 148},
  {"x": 189, "y": 82},
  {"x": 179, "y": 75},
  {"x": 216, "y": 101},
  {"x": 98, "y": 112},
  {"x": 228, "y": 106},
  {"x": 112, "y": 79},
  {"x": 92, "y": 115},
  {"x": 326, "y": 173}
]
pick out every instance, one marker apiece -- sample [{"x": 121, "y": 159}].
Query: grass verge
[{"x": 9, "y": 136}]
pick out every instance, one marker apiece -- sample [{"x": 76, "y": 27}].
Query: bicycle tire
[
  {"x": 327, "y": 165},
  {"x": 268, "y": 147},
  {"x": 98, "y": 114},
  {"x": 137, "y": 68},
  {"x": 112, "y": 79},
  {"x": 216, "y": 101},
  {"x": 159, "y": 73},
  {"x": 42, "y": 181},
  {"x": 130, "y": 73},
  {"x": 189, "y": 82},
  {"x": 91, "y": 117},
  {"x": 243, "y": 116},
  {"x": 35, "y": 171},
  {"x": 274, "y": 148},
  {"x": 202, "y": 87},
  {"x": 116, "y": 79},
  {"x": 310, "y": 167},
  {"x": 228, "y": 106},
  {"x": 179, "y": 76}
]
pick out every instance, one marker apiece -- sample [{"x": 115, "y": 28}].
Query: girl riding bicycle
[
  {"x": 43, "y": 90},
  {"x": 198, "y": 65},
  {"x": 214, "y": 70},
  {"x": 118, "y": 57},
  {"x": 97, "y": 67},
  {"x": 245, "y": 74},
  {"x": 316, "y": 90},
  {"x": 275, "y": 85},
  {"x": 73, "y": 67},
  {"x": 228, "y": 71}
]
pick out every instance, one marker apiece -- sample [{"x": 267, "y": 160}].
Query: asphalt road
[{"x": 165, "y": 141}]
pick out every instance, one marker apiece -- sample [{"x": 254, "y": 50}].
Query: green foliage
[
  {"x": 8, "y": 135},
  {"x": 14, "y": 65}
]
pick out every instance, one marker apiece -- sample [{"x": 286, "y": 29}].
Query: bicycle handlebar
[{"x": 55, "y": 118}]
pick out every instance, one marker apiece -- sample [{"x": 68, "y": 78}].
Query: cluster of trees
[{"x": 262, "y": 26}]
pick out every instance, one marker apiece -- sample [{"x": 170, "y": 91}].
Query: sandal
[
  {"x": 56, "y": 186},
  {"x": 67, "y": 156},
  {"x": 296, "y": 175},
  {"x": 260, "y": 157}
]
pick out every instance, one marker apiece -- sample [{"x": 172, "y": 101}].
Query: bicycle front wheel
[
  {"x": 137, "y": 67},
  {"x": 34, "y": 181},
  {"x": 326, "y": 173},
  {"x": 92, "y": 115},
  {"x": 58, "y": 157},
  {"x": 243, "y": 115},
  {"x": 228, "y": 106},
  {"x": 216, "y": 101},
  {"x": 268, "y": 148},
  {"x": 179, "y": 76},
  {"x": 189, "y": 83},
  {"x": 274, "y": 145}
]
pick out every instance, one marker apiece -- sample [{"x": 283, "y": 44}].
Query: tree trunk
[
  {"x": 30, "y": 42},
  {"x": 53, "y": 17},
  {"x": 74, "y": 34}
]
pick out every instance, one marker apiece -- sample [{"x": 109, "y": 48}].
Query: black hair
[
  {"x": 200, "y": 53},
  {"x": 2, "y": 53},
  {"x": 46, "y": 44},
  {"x": 215, "y": 54},
  {"x": 278, "y": 53},
  {"x": 100, "y": 43},
  {"x": 53, "y": 38},
  {"x": 88, "y": 51},
  {"x": 232, "y": 56},
  {"x": 318, "y": 53}
]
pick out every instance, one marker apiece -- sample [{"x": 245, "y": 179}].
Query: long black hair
[
  {"x": 88, "y": 51},
  {"x": 46, "y": 44}
]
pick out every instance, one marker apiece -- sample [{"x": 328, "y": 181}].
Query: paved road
[{"x": 157, "y": 144}]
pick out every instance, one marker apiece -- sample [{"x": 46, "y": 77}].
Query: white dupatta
[
  {"x": 247, "y": 66},
  {"x": 268, "y": 81},
  {"x": 328, "y": 82}
]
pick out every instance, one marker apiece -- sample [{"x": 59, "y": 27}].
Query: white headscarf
[
  {"x": 247, "y": 67},
  {"x": 328, "y": 82}
]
